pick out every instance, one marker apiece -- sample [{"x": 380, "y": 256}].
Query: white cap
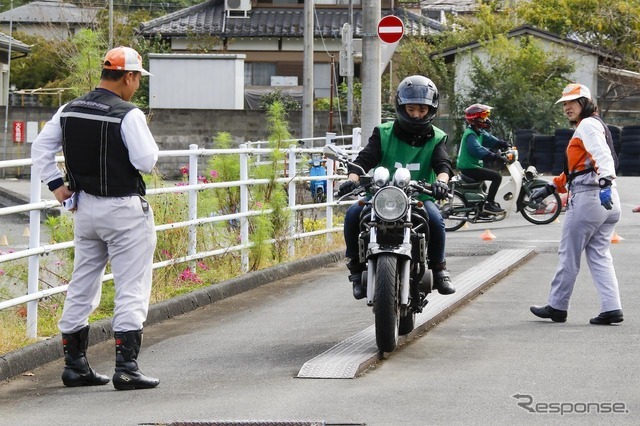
[
  {"x": 123, "y": 59},
  {"x": 575, "y": 91}
]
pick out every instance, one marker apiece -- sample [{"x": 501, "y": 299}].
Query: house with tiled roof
[
  {"x": 51, "y": 19},
  {"x": 18, "y": 50},
  {"x": 594, "y": 67},
  {"x": 270, "y": 35}
]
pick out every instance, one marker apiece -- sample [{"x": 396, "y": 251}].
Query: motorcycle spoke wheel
[
  {"x": 544, "y": 212},
  {"x": 385, "y": 305},
  {"x": 448, "y": 210}
]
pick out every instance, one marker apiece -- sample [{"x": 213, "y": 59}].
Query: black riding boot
[
  {"x": 355, "y": 276},
  {"x": 77, "y": 371},
  {"x": 128, "y": 376},
  {"x": 441, "y": 278}
]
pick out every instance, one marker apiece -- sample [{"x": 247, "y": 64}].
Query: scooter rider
[
  {"x": 473, "y": 150},
  {"x": 409, "y": 141}
]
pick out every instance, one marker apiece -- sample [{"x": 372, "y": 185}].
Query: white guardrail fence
[{"x": 295, "y": 158}]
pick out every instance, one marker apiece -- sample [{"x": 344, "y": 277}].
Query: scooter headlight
[
  {"x": 390, "y": 203},
  {"x": 381, "y": 176}
]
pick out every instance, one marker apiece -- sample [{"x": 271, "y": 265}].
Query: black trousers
[{"x": 486, "y": 174}]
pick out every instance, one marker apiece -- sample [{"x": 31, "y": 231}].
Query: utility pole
[
  {"x": 307, "y": 72},
  {"x": 371, "y": 98},
  {"x": 110, "y": 24},
  {"x": 350, "y": 76}
]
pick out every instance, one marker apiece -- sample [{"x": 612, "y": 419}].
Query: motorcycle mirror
[{"x": 333, "y": 152}]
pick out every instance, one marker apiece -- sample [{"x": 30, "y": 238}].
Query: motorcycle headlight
[
  {"x": 390, "y": 203},
  {"x": 381, "y": 176},
  {"x": 531, "y": 173},
  {"x": 402, "y": 177}
]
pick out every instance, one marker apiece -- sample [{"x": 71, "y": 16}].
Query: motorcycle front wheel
[
  {"x": 386, "y": 307},
  {"x": 450, "y": 209},
  {"x": 544, "y": 212}
]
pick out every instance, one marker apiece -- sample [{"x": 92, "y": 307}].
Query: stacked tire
[
  {"x": 561, "y": 141},
  {"x": 630, "y": 151},
  {"x": 616, "y": 134},
  {"x": 542, "y": 153},
  {"x": 523, "y": 141}
]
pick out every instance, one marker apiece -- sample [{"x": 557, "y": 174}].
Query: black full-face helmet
[{"x": 418, "y": 90}]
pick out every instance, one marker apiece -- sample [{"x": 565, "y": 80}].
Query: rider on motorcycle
[
  {"x": 473, "y": 150},
  {"x": 409, "y": 141}
]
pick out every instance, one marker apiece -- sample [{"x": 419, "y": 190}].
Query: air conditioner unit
[{"x": 237, "y": 5}]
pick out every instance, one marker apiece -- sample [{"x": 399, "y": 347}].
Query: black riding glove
[
  {"x": 439, "y": 190},
  {"x": 541, "y": 193},
  {"x": 346, "y": 187}
]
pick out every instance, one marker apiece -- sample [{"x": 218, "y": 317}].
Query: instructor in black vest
[{"x": 106, "y": 144}]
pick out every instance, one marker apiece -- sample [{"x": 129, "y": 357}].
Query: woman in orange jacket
[{"x": 593, "y": 210}]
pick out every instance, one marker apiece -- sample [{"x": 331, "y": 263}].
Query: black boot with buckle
[
  {"x": 128, "y": 376},
  {"x": 355, "y": 276},
  {"x": 77, "y": 371},
  {"x": 441, "y": 278}
]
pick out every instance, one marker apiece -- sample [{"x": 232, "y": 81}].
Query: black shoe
[
  {"x": 356, "y": 268},
  {"x": 607, "y": 318},
  {"x": 359, "y": 290},
  {"x": 442, "y": 282},
  {"x": 555, "y": 315},
  {"x": 492, "y": 207}
]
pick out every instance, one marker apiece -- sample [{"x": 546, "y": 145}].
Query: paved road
[{"x": 237, "y": 359}]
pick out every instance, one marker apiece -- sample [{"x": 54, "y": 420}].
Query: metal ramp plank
[{"x": 352, "y": 356}]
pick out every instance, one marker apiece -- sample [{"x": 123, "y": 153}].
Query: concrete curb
[{"x": 30, "y": 357}]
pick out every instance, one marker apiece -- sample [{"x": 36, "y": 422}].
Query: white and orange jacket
[{"x": 587, "y": 148}]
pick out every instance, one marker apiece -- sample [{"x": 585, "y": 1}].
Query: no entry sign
[{"x": 390, "y": 29}]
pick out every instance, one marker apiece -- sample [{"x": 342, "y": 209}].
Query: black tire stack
[
  {"x": 561, "y": 140},
  {"x": 542, "y": 153},
  {"x": 523, "y": 141},
  {"x": 630, "y": 151},
  {"x": 616, "y": 136}
]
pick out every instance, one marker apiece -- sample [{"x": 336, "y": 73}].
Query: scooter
[
  {"x": 318, "y": 188},
  {"x": 469, "y": 196}
]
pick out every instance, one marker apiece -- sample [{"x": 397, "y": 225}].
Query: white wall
[{"x": 196, "y": 81}]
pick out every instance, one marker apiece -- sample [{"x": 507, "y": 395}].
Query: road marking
[{"x": 352, "y": 356}]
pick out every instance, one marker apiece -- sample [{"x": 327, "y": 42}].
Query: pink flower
[
  {"x": 202, "y": 179},
  {"x": 166, "y": 253},
  {"x": 184, "y": 170},
  {"x": 187, "y": 275},
  {"x": 202, "y": 265},
  {"x": 213, "y": 174},
  {"x": 2, "y": 272}
]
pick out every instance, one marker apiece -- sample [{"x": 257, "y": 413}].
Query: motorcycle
[
  {"x": 394, "y": 232},
  {"x": 469, "y": 196},
  {"x": 318, "y": 188}
]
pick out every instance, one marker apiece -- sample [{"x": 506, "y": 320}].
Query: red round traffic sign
[{"x": 390, "y": 29}]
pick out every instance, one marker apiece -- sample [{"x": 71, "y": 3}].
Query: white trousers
[
  {"x": 118, "y": 230},
  {"x": 587, "y": 227}
]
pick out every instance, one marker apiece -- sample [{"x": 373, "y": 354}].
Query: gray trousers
[
  {"x": 118, "y": 230},
  {"x": 587, "y": 227}
]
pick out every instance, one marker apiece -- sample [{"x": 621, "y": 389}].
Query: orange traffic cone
[
  {"x": 487, "y": 235},
  {"x": 616, "y": 238}
]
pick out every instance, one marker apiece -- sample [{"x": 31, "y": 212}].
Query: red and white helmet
[{"x": 477, "y": 115}]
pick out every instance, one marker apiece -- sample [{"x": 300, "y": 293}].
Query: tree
[
  {"x": 521, "y": 82},
  {"x": 612, "y": 25}
]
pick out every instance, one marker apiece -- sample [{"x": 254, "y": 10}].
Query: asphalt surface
[{"x": 490, "y": 362}]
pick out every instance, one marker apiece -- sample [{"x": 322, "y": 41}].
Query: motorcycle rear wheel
[
  {"x": 544, "y": 212},
  {"x": 448, "y": 209},
  {"x": 386, "y": 306}
]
